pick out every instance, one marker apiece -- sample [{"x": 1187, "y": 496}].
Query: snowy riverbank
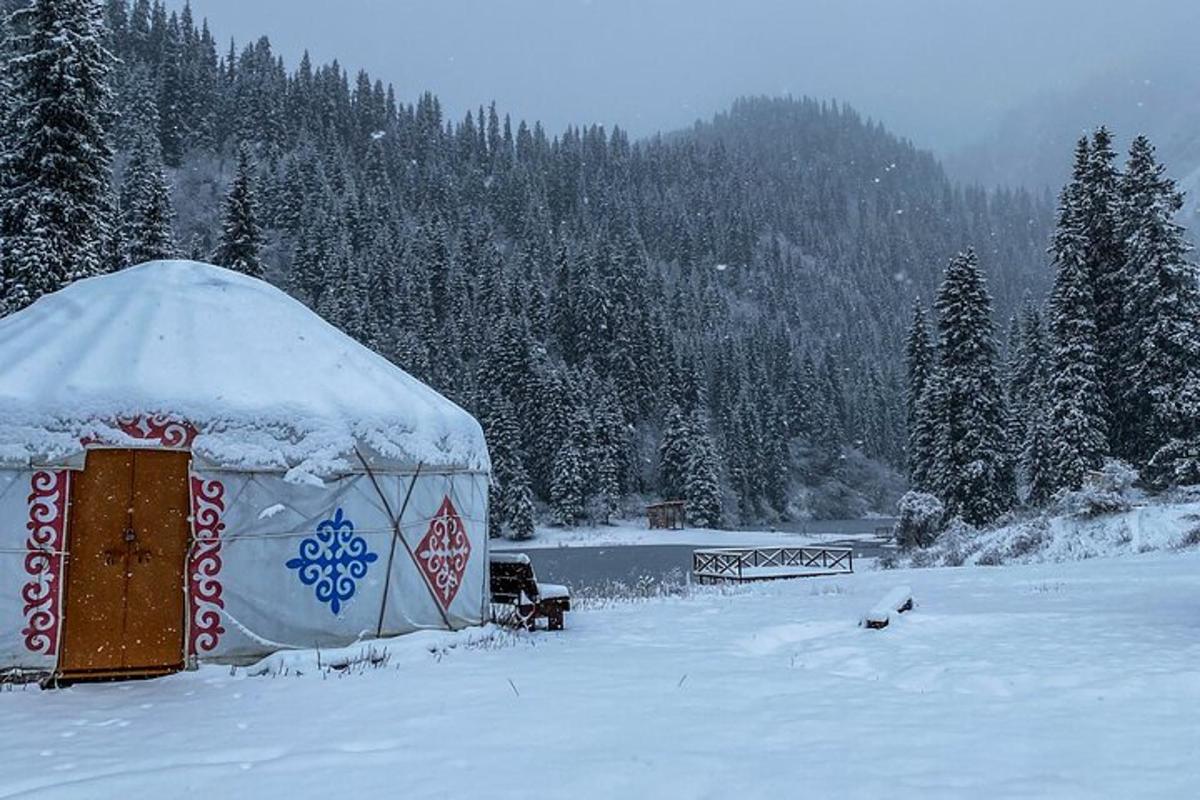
[
  {"x": 1143, "y": 528},
  {"x": 636, "y": 533},
  {"x": 1065, "y": 680}
]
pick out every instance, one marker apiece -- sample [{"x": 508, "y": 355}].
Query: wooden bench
[
  {"x": 515, "y": 587},
  {"x": 897, "y": 601}
]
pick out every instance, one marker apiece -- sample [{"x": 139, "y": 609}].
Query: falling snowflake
[{"x": 333, "y": 561}]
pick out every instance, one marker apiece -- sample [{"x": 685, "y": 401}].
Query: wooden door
[
  {"x": 94, "y": 612},
  {"x": 127, "y": 545}
]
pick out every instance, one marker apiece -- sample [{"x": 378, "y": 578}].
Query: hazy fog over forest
[{"x": 943, "y": 72}]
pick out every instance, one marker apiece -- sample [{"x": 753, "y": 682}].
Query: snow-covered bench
[
  {"x": 897, "y": 601},
  {"x": 514, "y": 585}
]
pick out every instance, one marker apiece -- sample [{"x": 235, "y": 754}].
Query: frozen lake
[{"x": 592, "y": 567}]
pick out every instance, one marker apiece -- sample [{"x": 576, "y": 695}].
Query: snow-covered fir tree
[
  {"x": 55, "y": 167},
  {"x": 1027, "y": 373},
  {"x": 1036, "y": 467},
  {"x": 673, "y": 454},
  {"x": 743, "y": 444},
  {"x": 775, "y": 463},
  {"x": 1097, "y": 222},
  {"x": 1075, "y": 396},
  {"x": 510, "y": 496},
  {"x": 241, "y": 237},
  {"x": 919, "y": 360},
  {"x": 567, "y": 485},
  {"x": 609, "y": 447},
  {"x": 518, "y": 504},
  {"x": 1026, "y": 399},
  {"x": 702, "y": 489},
  {"x": 971, "y": 472},
  {"x": 146, "y": 210},
  {"x": 1163, "y": 314}
]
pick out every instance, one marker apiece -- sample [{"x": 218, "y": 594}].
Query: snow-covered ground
[
  {"x": 636, "y": 533},
  {"x": 1063, "y": 680},
  {"x": 1143, "y": 528}
]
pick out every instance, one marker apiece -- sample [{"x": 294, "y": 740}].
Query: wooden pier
[{"x": 742, "y": 564}]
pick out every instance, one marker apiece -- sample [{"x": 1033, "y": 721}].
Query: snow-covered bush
[
  {"x": 1028, "y": 539},
  {"x": 990, "y": 557},
  {"x": 1190, "y": 539},
  {"x": 1109, "y": 491},
  {"x": 1117, "y": 476},
  {"x": 920, "y": 520},
  {"x": 957, "y": 542},
  {"x": 1089, "y": 502},
  {"x": 1177, "y": 463}
]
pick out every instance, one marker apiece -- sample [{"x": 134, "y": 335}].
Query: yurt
[{"x": 195, "y": 467}]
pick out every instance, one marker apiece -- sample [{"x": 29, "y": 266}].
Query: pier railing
[{"x": 765, "y": 563}]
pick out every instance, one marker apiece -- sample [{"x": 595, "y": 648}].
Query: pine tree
[
  {"x": 919, "y": 358},
  {"x": 1097, "y": 220},
  {"x": 518, "y": 504},
  {"x": 511, "y": 499},
  {"x": 776, "y": 459},
  {"x": 610, "y": 446},
  {"x": 241, "y": 238},
  {"x": 971, "y": 474},
  {"x": 1027, "y": 428},
  {"x": 1036, "y": 465},
  {"x": 1076, "y": 399},
  {"x": 497, "y": 423},
  {"x": 1163, "y": 310},
  {"x": 744, "y": 447},
  {"x": 172, "y": 103},
  {"x": 572, "y": 473},
  {"x": 702, "y": 489},
  {"x": 146, "y": 209},
  {"x": 55, "y": 169},
  {"x": 135, "y": 96},
  {"x": 673, "y": 455},
  {"x": 1028, "y": 370},
  {"x": 567, "y": 485},
  {"x": 112, "y": 247}
]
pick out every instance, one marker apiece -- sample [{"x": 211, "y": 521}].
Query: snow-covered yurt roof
[{"x": 266, "y": 383}]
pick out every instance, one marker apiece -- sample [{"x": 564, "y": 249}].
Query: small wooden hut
[{"x": 667, "y": 515}]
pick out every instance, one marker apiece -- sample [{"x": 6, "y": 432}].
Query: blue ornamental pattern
[{"x": 334, "y": 561}]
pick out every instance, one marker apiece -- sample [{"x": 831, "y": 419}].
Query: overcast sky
[{"x": 938, "y": 71}]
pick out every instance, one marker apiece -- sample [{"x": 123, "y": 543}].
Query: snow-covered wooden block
[{"x": 897, "y": 601}]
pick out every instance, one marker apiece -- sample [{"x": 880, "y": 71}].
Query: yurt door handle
[
  {"x": 131, "y": 540},
  {"x": 112, "y": 556}
]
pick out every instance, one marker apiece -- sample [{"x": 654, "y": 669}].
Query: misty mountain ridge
[{"x": 1030, "y": 146}]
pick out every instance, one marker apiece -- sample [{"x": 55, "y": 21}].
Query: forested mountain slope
[{"x": 716, "y": 314}]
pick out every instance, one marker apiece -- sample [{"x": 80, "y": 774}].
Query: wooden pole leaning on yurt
[{"x": 397, "y": 534}]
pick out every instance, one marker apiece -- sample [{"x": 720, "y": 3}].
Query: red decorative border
[
  {"x": 160, "y": 429},
  {"x": 44, "y": 562},
  {"x": 443, "y": 553},
  {"x": 204, "y": 566}
]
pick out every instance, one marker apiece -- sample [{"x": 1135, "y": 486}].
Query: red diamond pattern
[{"x": 443, "y": 553}]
